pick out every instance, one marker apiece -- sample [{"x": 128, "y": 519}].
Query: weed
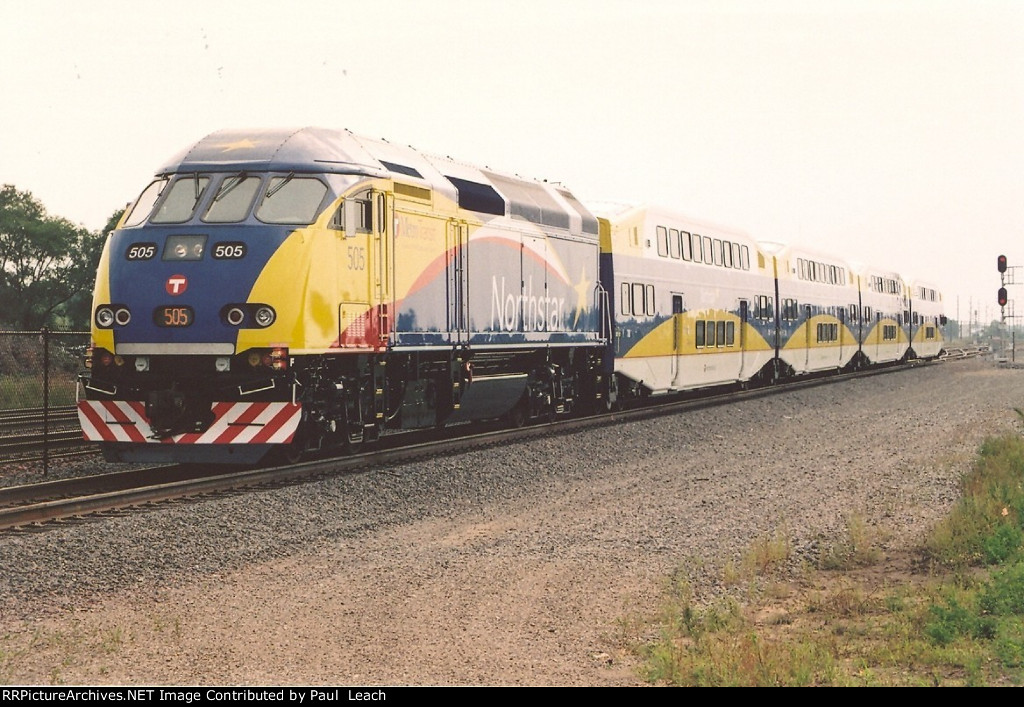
[{"x": 966, "y": 627}]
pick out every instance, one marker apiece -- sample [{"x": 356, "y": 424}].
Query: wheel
[{"x": 516, "y": 417}]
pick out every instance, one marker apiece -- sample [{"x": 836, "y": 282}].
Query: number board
[
  {"x": 173, "y": 316},
  {"x": 229, "y": 250},
  {"x": 140, "y": 251}
]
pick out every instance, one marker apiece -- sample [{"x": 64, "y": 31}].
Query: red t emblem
[{"x": 176, "y": 285}]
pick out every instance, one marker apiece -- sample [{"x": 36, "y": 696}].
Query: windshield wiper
[
  {"x": 279, "y": 187},
  {"x": 229, "y": 185}
]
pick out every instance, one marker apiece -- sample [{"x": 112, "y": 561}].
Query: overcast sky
[{"x": 886, "y": 132}]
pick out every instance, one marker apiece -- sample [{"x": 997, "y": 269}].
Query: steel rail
[{"x": 121, "y": 490}]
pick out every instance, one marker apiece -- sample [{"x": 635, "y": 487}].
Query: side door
[
  {"x": 382, "y": 271},
  {"x": 457, "y": 280},
  {"x": 677, "y": 340}
]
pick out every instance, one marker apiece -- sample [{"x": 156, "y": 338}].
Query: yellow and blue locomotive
[
  {"x": 292, "y": 290},
  {"x": 295, "y": 289}
]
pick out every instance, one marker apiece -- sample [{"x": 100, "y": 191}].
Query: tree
[
  {"x": 45, "y": 261},
  {"x": 76, "y": 313}
]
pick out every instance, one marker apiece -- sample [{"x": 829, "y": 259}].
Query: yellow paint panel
[
  {"x": 661, "y": 341},
  {"x": 798, "y": 340},
  {"x": 101, "y": 295}
]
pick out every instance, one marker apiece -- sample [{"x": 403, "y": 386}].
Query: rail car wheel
[
  {"x": 611, "y": 396},
  {"x": 290, "y": 453},
  {"x": 516, "y": 417}
]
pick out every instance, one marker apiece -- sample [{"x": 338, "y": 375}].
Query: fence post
[{"x": 46, "y": 401}]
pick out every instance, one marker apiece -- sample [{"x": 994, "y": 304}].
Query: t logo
[{"x": 176, "y": 285}]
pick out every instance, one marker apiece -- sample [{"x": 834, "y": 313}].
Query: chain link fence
[{"x": 38, "y": 383}]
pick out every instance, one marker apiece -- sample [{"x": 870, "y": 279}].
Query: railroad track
[
  {"x": 32, "y": 506},
  {"x": 25, "y": 434},
  {"x": 22, "y": 438}
]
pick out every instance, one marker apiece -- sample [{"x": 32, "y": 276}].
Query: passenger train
[{"x": 291, "y": 290}]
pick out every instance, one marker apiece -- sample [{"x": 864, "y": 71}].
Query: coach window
[
  {"x": 699, "y": 332},
  {"x": 673, "y": 243},
  {"x": 180, "y": 203},
  {"x": 745, "y": 252},
  {"x": 662, "y": 241},
  {"x": 721, "y": 333},
  {"x": 710, "y": 339},
  {"x": 717, "y": 251},
  {"x": 684, "y": 243},
  {"x": 624, "y": 300},
  {"x": 698, "y": 255},
  {"x": 737, "y": 260},
  {"x": 649, "y": 300},
  {"x": 708, "y": 252},
  {"x": 730, "y": 333},
  {"x": 637, "y": 301},
  {"x": 727, "y": 254}
]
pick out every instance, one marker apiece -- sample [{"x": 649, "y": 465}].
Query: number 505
[{"x": 356, "y": 258}]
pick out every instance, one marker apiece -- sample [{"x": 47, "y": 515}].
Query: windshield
[
  {"x": 292, "y": 199},
  {"x": 144, "y": 204},
  {"x": 229, "y": 198},
  {"x": 233, "y": 199},
  {"x": 180, "y": 203}
]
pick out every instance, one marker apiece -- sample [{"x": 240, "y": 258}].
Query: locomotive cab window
[
  {"x": 353, "y": 216},
  {"x": 180, "y": 202},
  {"x": 233, "y": 199},
  {"x": 291, "y": 200},
  {"x": 144, "y": 204}
]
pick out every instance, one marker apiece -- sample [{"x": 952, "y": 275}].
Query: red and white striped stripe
[{"x": 233, "y": 423}]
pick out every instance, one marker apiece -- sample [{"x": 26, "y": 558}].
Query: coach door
[
  {"x": 841, "y": 316},
  {"x": 677, "y": 341},
  {"x": 807, "y": 337},
  {"x": 457, "y": 279},
  {"x": 744, "y": 314}
]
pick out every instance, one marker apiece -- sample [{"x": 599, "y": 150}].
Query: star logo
[
  {"x": 244, "y": 144},
  {"x": 582, "y": 292}
]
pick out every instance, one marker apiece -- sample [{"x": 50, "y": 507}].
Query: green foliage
[
  {"x": 47, "y": 265},
  {"x": 955, "y": 621},
  {"x": 1004, "y": 594},
  {"x": 967, "y": 630},
  {"x": 985, "y": 527}
]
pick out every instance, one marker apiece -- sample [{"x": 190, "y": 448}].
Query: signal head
[
  {"x": 1001, "y": 263},
  {"x": 1002, "y": 296}
]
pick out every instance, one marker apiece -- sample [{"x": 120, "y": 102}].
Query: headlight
[
  {"x": 104, "y": 317},
  {"x": 122, "y": 316},
  {"x": 265, "y": 316},
  {"x": 235, "y": 316}
]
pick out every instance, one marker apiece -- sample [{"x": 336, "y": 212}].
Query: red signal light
[
  {"x": 1002, "y": 296},
  {"x": 1001, "y": 263}
]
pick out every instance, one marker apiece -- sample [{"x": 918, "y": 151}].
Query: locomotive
[
  {"x": 289, "y": 290},
  {"x": 305, "y": 288}
]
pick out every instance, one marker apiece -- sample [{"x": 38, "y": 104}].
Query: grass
[
  {"x": 948, "y": 613},
  {"x": 18, "y": 392}
]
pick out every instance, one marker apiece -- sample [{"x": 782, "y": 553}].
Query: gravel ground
[{"x": 510, "y": 566}]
